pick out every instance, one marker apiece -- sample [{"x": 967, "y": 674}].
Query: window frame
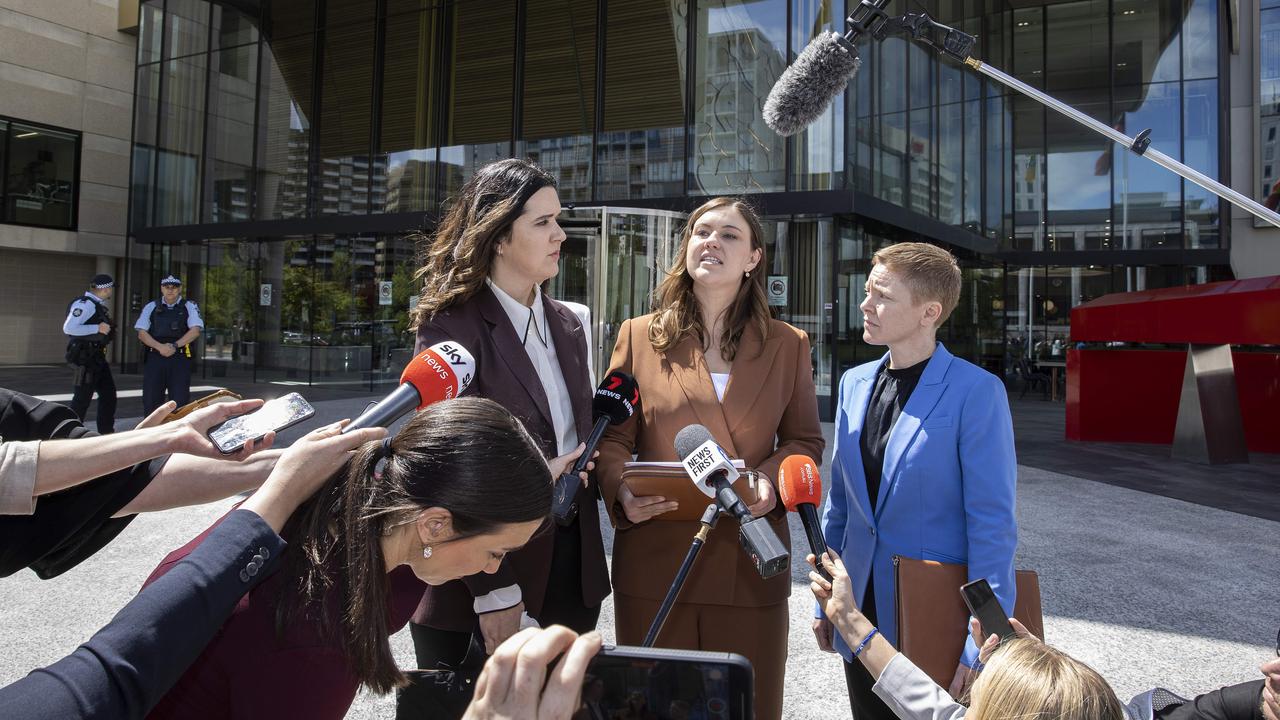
[{"x": 7, "y": 156}]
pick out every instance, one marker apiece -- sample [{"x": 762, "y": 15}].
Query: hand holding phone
[
  {"x": 231, "y": 435},
  {"x": 984, "y": 606}
]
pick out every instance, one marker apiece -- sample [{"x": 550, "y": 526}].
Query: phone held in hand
[
  {"x": 633, "y": 681},
  {"x": 983, "y": 605},
  {"x": 230, "y": 435}
]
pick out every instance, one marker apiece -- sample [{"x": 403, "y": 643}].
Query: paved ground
[{"x": 1148, "y": 589}]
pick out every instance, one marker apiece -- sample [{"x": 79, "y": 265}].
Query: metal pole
[
  {"x": 1195, "y": 176},
  {"x": 709, "y": 517}
]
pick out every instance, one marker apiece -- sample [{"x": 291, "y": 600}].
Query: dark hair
[
  {"x": 469, "y": 456},
  {"x": 677, "y": 314},
  {"x": 460, "y": 254}
]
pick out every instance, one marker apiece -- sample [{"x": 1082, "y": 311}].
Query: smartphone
[
  {"x": 983, "y": 605},
  {"x": 230, "y": 435},
  {"x": 636, "y": 682}
]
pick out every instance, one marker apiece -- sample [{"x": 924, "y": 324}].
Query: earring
[
  {"x": 426, "y": 551},
  {"x": 747, "y": 274}
]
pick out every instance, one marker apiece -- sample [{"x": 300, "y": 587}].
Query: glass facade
[
  {"x": 297, "y": 146},
  {"x": 40, "y": 185}
]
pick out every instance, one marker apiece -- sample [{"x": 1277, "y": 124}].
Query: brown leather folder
[
  {"x": 673, "y": 483},
  {"x": 932, "y": 617}
]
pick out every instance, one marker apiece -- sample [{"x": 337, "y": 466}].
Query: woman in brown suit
[
  {"x": 710, "y": 354},
  {"x": 497, "y": 244}
]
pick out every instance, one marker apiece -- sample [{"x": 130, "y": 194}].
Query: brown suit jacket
[
  {"x": 770, "y": 411},
  {"x": 505, "y": 374}
]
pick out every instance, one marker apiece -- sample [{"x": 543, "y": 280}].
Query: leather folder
[
  {"x": 933, "y": 620},
  {"x": 673, "y": 483}
]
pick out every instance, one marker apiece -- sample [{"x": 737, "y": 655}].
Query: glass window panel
[
  {"x": 972, "y": 185},
  {"x": 284, "y": 327},
  {"x": 1028, "y": 46},
  {"x": 346, "y": 104},
  {"x": 145, "y": 120},
  {"x": 1024, "y": 312},
  {"x": 1269, "y": 107},
  {"x": 891, "y": 165},
  {"x": 150, "y": 30},
  {"x": 338, "y": 13},
  {"x": 188, "y": 27},
  {"x": 920, "y": 76},
  {"x": 1029, "y": 174},
  {"x": 395, "y": 7},
  {"x": 234, "y": 74},
  {"x": 343, "y": 294},
  {"x": 1077, "y": 50},
  {"x": 1147, "y": 43},
  {"x": 741, "y": 51},
  {"x": 232, "y": 27},
  {"x": 409, "y": 87},
  {"x": 40, "y": 176},
  {"x": 291, "y": 17},
  {"x": 481, "y": 89},
  {"x": 1200, "y": 40},
  {"x": 892, "y": 96},
  {"x": 818, "y": 150},
  {"x": 999, "y": 122},
  {"x": 284, "y": 139},
  {"x": 177, "y": 188},
  {"x": 640, "y": 151},
  {"x": 1147, "y": 196},
  {"x": 1200, "y": 151},
  {"x": 559, "y": 92},
  {"x": 951, "y": 163},
  {"x": 920, "y": 161},
  {"x": 1078, "y": 177}
]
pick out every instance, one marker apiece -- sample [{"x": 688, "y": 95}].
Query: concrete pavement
[{"x": 1148, "y": 589}]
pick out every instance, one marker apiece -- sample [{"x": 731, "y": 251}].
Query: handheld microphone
[
  {"x": 709, "y": 467},
  {"x": 615, "y": 402},
  {"x": 800, "y": 487},
  {"x": 441, "y": 372},
  {"x": 821, "y": 72}
]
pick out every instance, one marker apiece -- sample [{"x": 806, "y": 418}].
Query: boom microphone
[
  {"x": 441, "y": 372},
  {"x": 822, "y": 71},
  {"x": 615, "y": 402},
  {"x": 800, "y": 487},
  {"x": 709, "y": 466}
]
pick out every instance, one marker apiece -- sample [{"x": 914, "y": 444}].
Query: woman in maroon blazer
[{"x": 498, "y": 243}]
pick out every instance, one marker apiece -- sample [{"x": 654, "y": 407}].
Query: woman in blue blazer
[{"x": 923, "y": 465}]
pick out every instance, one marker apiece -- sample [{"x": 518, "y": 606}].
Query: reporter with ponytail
[{"x": 460, "y": 486}]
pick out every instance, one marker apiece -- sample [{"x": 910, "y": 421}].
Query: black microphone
[
  {"x": 710, "y": 468},
  {"x": 440, "y": 372},
  {"x": 821, "y": 72},
  {"x": 615, "y": 402}
]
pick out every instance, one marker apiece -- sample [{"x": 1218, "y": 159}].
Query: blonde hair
[
  {"x": 460, "y": 254},
  {"x": 929, "y": 271},
  {"x": 677, "y": 314},
  {"x": 1029, "y": 680}
]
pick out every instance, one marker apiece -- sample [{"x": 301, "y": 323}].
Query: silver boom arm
[{"x": 959, "y": 45}]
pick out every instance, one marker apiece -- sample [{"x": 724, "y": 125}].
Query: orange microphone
[{"x": 800, "y": 486}]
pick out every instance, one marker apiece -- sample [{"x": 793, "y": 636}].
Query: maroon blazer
[{"x": 505, "y": 374}]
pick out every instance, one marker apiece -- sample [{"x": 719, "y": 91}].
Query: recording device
[
  {"x": 230, "y": 435},
  {"x": 800, "y": 487},
  {"x": 712, "y": 471},
  {"x": 821, "y": 72},
  {"x": 983, "y": 605},
  {"x": 615, "y": 402},
  {"x": 441, "y": 372},
  {"x": 671, "y": 683}
]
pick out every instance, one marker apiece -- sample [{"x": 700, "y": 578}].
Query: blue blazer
[{"x": 947, "y": 489}]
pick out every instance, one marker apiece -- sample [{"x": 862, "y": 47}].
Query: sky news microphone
[
  {"x": 712, "y": 471},
  {"x": 615, "y": 402},
  {"x": 441, "y": 372},
  {"x": 800, "y": 487},
  {"x": 820, "y": 73}
]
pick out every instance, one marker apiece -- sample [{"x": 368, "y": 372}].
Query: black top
[{"x": 893, "y": 389}]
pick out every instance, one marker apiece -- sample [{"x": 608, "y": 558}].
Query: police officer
[
  {"x": 90, "y": 329},
  {"x": 167, "y": 327}
]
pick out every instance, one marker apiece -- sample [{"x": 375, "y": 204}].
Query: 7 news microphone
[
  {"x": 713, "y": 472},
  {"x": 441, "y": 372},
  {"x": 800, "y": 488},
  {"x": 615, "y": 402}
]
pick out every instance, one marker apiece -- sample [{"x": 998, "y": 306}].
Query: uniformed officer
[
  {"x": 90, "y": 329},
  {"x": 167, "y": 327}
]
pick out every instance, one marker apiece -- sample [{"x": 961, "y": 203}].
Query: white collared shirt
[{"x": 530, "y": 324}]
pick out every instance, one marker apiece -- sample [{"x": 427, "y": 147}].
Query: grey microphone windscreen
[
  {"x": 690, "y": 438},
  {"x": 806, "y": 88}
]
